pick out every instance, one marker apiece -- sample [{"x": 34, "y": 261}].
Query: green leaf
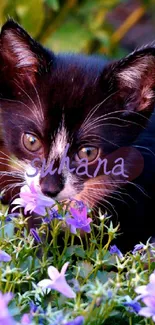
[
  {"x": 8, "y": 230},
  {"x": 103, "y": 276},
  {"x": 14, "y": 310},
  {"x": 54, "y": 4},
  {"x": 3, "y": 4},
  {"x": 80, "y": 252},
  {"x": 90, "y": 6},
  {"x": 85, "y": 268},
  {"x": 71, "y": 36},
  {"x": 31, "y": 15}
]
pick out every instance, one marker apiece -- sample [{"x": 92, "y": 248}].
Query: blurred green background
[{"x": 111, "y": 27}]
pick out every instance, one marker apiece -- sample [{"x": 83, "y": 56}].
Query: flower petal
[
  {"x": 25, "y": 189},
  {"x": 71, "y": 221},
  {"x": 26, "y": 319},
  {"x": 29, "y": 207},
  {"x": 152, "y": 278},
  {"x": 46, "y": 283},
  {"x": 74, "y": 212},
  {"x": 33, "y": 199},
  {"x": 73, "y": 230},
  {"x": 15, "y": 208},
  {"x": 83, "y": 212},
  {"x": 142, "y": 290},
  {"x": 86, "y": 228},
  {"x": 7, "y": 297},
  {"x": 53, "y": 273},
  {"x": 137, "y": 248},
  {"x": 73, "y": 225},
  {"x": 18, "y": 201},
  {"x": 46, "y": 200},
  {"x": 149, "y": 301},
  {"x": 40, "y": 210},
  {"x": 146, "y": 312},
  {"x": 63, "y": 287},
  {"x": 4, "y": 257},
  {"x": 64, "y": 268}
]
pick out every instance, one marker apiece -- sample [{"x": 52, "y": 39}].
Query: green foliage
[
  {"x": 102, "y": 281},
  {"x": 69, "y": 25}
]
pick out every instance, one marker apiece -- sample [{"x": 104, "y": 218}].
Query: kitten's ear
[
  {"x": 133, "y": 78},
  {"x": 20, "y": 54}
]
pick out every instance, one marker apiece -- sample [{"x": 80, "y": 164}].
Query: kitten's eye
[
  {"x": 31, "y": 142},
  {"x": 91, "y": 153}
]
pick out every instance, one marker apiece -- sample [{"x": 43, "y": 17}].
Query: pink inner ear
[
  {"x": 130, "y": 76},
  {"x": 139, "y": 76},
  {"x": 19, "y": 50},
  {"x": 147, "y": 96},
  {"x": 133, "y": 74}
]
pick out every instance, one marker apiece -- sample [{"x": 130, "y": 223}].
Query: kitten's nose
[{"x": 51, "y": 186}]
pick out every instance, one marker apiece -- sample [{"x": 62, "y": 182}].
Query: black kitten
[{"x": 101, "y": 110}]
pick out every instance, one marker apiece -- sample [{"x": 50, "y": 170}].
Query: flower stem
[{"x": 130, "y": 321}]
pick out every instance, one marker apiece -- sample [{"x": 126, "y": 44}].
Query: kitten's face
[{"x": 48, "y": 101}]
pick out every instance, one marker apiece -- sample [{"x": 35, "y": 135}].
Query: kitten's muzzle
[{"x": 51, "y": 185}]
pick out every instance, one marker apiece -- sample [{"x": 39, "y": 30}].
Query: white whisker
[
  {"x": 35, "y": 106},
  {"x": 39, "y": 101},
  {"x": 94, "y": 109}
]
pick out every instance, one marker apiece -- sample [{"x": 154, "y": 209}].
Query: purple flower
[
  {"x": 4, "y": 257},
  {"x": 137, "y": 248},
  {"x": 114, "y": 250},
  {"x": 149, "y": 289},
  {"x": 79, "y": 220},
  {"x": 32, "y": 199},
  {"x": 35, "y": 235},
  {"x": 147, "y": 295},
  {"x": 133, "y": 305},
  {"x": 76, "y": 285},
  {"x": 26, "y": 319},
  {"x": 58, "y": 281},
  {"x": 58, "y": 320},
  {"x": 53, "y": 214},
  {"x": 148, "y": 311},
  {"x": 10, "y": 216},
  {"x": 5, "y": 317},
  {"x": 79, "y": 320},
  {"x": 78, "y": 204},
  {"x": 33, "y": 307},
  {"x": 109, "y": 293}
]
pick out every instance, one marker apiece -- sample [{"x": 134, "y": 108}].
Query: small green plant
[{"x": 57, "y": 274}]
